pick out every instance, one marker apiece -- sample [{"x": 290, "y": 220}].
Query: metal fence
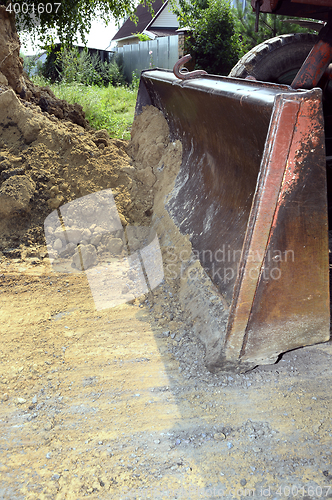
[{"x": 162, "y": 53}]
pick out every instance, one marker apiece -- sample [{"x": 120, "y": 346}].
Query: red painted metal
[
  {"x": 274, "y": 299},
  {"x": 259, "y": 226},
  {"x": 292, "y": 302},
  {"x": 314, "y": 66}
]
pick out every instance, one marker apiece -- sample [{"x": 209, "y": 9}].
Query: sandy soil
[
  {"x": 102, "y": 404},
  {"x": 116, "y": 402}
]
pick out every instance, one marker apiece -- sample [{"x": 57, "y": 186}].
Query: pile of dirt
[
  {"x": 13, "y": 76},
  {"x": 49, "y": 103},
  {"x": 11, "y": 65},
  {"x": 49, "y": 156},
  {"x": 46, "y": 163}
]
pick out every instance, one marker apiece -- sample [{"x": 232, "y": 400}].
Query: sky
[{"x": 99, "y": 38}]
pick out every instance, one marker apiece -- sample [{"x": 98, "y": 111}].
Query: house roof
[{"x": 144, "y": 19}]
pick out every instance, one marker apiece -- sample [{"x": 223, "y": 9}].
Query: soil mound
[
  {"x": 46, "y": 163},
  {"x": 11, "y": 64},
  {"x": 13, "y": 76}
]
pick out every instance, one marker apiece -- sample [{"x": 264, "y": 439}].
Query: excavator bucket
[{"x": 251, "y": 193}]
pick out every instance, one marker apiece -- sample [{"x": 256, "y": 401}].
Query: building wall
[
  {"x": 128, "y": 41},
  {"x": 166, "y": 19}
]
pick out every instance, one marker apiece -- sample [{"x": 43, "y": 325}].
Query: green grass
[{"x": 110, "y": 108}]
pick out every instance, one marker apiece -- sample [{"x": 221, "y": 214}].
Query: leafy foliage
[
  {"x": 31, "y": 65},
  {"x": 71, "y": 65},
  {"x": 51, "y": 69},
  {"x": 69, "y": 19},
  {"x": 115, "y": 73},
  {"x": 214, "y": 42},
  {"x": 135, "y": 80},
  {"x": 142, "y": 37},
  {"x": 269, "y": 26}
]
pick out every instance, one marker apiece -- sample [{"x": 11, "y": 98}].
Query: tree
[
  {"x": 269, "y": 26},
  {"x": 213, "y": 43},
  {"x": 68, "y": 18}
]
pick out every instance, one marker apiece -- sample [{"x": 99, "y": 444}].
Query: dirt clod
[{"x": 15, "y": 194}]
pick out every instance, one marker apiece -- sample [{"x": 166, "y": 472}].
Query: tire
[{"x": 276, "y": 60}]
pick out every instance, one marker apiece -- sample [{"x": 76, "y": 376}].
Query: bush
[
  {"x": 30, "y": 64},
  {"x": 214, "y": 43},
  {"x": 135, "y": 79},
  {"x": 69, "y": 65},
  {"x": 51, "y": 69},
  {"x": 115, "y": 74}
]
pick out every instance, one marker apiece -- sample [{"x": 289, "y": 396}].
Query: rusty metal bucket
[{"x": 251, "y": 193}]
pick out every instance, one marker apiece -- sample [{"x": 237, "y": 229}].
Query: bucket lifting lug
[{"x": 183, "y": 73}]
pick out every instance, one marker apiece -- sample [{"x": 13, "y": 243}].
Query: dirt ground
[
  {"x": 115, "y": 401},
  {"x": 101, "y": 404}
]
